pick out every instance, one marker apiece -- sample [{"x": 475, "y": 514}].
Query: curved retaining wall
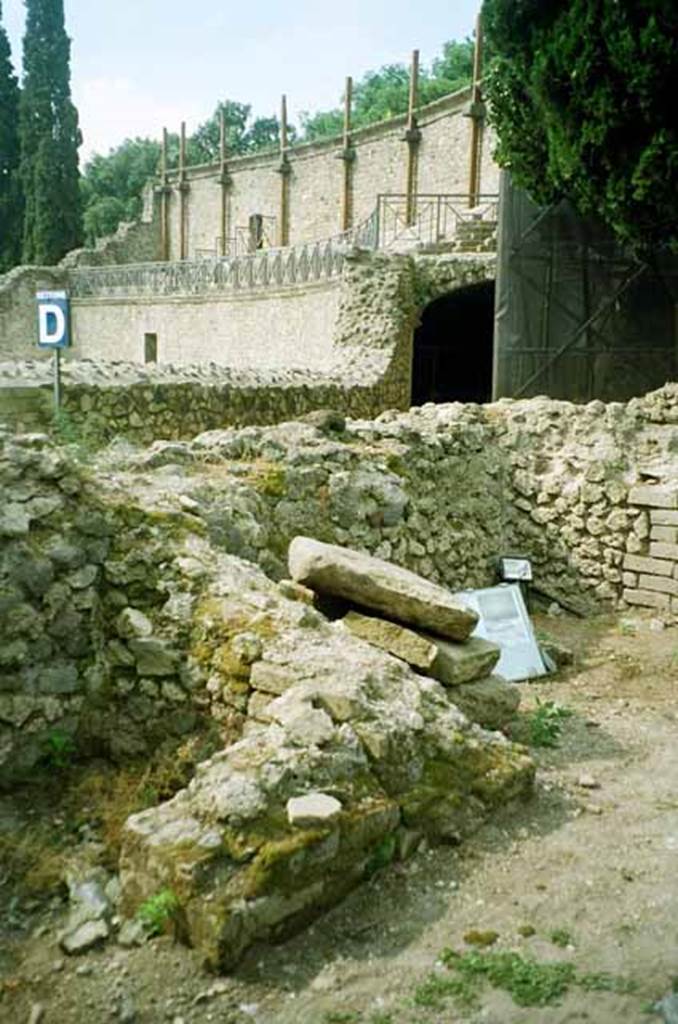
[
  {"x": 316, "y": 178},
  {"x": 344, "y": 345}
]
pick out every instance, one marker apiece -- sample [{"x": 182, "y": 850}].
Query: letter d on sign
[{"x": 53, "y": 320}]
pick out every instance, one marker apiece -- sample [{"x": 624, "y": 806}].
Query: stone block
[
  {"x": 153, "y": 657},
  {"x": 653, "y": 566},
  {"x": 312, "y": 810},
  {"x": 630, "y": 579},
  {"x": 450, "y": 663},
  {"x": 654, "y": 495},
  {"x": 270, "y": 678},
  {"x": 379, "y": 586},
  {"x": 257, "y": 705},
  {"x": 404, "y": 643},
  {"x": 490, "y": 702},
  {"x": 647, "y": 598},
  {"x": 662, "y": 584},
  {"x": 664, "y": 534},
  {"x": 59, "y": 678},
  {"x": 658, "y": 550},
  {"x": 131, "y": 623},
  {"x": 663, "y": 517}
]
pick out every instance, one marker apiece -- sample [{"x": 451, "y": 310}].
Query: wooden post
[
  {"x": 476, "y": 112},
  {"x": 347, "y": 155},
  {"x": 285, "y": 171},
  {"x": 413, "y": 139},
  {"x": 183, "y": 195},
  {"x": 165, "y": 193},
  {"x": 225, "y": 182}
]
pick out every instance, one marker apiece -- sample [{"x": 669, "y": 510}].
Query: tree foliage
[
  {"x": 243, "y": 135},
  {"x": 11, "y": 205},
  {"x": 111, "y": 186},
  {"x": 49, "y": 138},
  {"x": 582, "y": 94},
  {"x": 384, "y": 93}
]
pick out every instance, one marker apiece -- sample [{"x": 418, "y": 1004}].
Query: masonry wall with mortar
[
  {"x": 317, "y": 177},
  {"x": 345, "y": 343}
]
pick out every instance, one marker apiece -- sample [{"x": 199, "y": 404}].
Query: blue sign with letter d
[{"x": 53, "y": 320}]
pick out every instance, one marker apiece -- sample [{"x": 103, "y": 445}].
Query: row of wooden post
[{"x": 412, "y": 137}]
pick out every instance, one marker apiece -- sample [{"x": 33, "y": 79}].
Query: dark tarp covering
[{"x": 576, "y": 316}]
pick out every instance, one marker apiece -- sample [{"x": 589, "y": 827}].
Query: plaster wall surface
[{"x": 292, "y": 328}]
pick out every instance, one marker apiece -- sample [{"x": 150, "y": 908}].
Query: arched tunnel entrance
[{"x": 453, "y": 347}]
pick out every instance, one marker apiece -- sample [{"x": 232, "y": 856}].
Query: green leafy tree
[
  {"x": 11, "y": 205},
  {"x": 385, "y": 93},
  {"x": 49, "y": 138},
  {"x": 111, "y": 186},
  {"x": 582, "y": 94},
  {"x": 243, "y": 135},
  {"x": 453, "y": 70},
  {"x": 204, "y": 143}
]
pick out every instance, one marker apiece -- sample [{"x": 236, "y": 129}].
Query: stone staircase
[{"x": 475, "y": 235}]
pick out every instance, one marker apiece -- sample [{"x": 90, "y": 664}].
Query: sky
[{"x": 139, "y": 65}]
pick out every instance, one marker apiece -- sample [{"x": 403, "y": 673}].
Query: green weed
[
  {"x": 382, "y": 855},
  {"x": 65, "y": 430},
  {"x": 529, "y": 982},
  {"x": 546, "y": 723},
  {"x": 59, "y": 750},
  {"x": 436, "y": 988},
  {"x": 157, "y": 911},
  {"x": 601, "y": 981},
  {"x": 561, "y": 937}
]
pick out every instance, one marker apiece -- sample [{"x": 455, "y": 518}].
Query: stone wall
[
  {"x": 346, "y": 344},
  {"x": 443, "y": 490},
  {"x": 273, "y": 329},
  {"x": 317, "y": 175},
  {"x": 133, "y": 242},
  {"x": 18, "y": 313}
]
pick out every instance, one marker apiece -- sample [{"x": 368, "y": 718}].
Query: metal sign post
[{"x": 54, "y": 332}]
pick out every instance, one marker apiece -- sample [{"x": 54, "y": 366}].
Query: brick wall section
[{"x": 651, "y": 562}]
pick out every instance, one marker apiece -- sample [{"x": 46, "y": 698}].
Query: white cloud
[{"x": 114, "y": 109}]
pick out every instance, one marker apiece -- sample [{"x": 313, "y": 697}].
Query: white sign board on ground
[{"x": 503, "y": 619}]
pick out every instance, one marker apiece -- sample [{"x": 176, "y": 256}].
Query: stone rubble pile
[
  {"x": 427, "y": 609},
  {"x": 348, "y": 759}
]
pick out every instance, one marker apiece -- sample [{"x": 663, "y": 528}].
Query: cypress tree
[
  {"x": 10, "y": 188},
  {"x": 49, "y": 135}
]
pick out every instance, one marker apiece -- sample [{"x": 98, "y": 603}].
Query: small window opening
[{"x": 150, "y": 348}]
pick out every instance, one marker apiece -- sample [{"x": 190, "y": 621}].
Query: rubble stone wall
[{"x": 104, "y": 590}]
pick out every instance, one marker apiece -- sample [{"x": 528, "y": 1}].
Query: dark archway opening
[{"x": 453, "y": 347}]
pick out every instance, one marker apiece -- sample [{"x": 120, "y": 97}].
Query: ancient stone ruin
[{"x": 146, "y": 598}]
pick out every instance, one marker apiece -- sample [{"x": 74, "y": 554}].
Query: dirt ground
[{"x": 590, "y": 865}]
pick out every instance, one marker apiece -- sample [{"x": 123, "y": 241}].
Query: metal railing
[
  {"x": 435, "y": 218},
  {"x": 431, "y": 219}
]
